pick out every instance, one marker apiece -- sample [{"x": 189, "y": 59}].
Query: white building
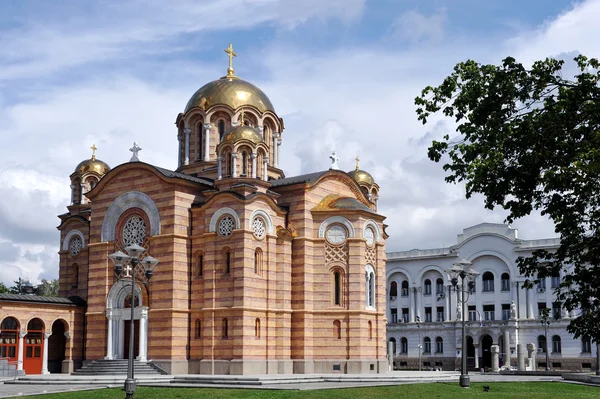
[{"x": 424, "y": 314}]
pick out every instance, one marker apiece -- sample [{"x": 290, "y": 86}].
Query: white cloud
[{"x": 417, "y": 27}]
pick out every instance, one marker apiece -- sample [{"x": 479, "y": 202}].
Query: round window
[
  {"x": 134, "y": 231},
  {"x": 75, "y": 246},
  {"x": 369, "y": 236},
  {"x": 259, "y": 227},
  {"x": 336, "y": 234},
  {"x": 226, "y": 226}
]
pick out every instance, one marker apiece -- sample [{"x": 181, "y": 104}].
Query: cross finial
[
  {"x": 357, "y": 162},
  {"x": 334, "y": 161},
  {"x": 231, "y": 54},
  {"x": 93, "y": 147},
  {"x": 135, "y": 149}
]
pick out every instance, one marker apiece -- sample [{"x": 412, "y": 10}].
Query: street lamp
[
  {"x": 545, "y": 322},
  {"x": 463, "y": 270},
  {"x": 419, "y": 345},
  {"x": 125, "y": 268}
]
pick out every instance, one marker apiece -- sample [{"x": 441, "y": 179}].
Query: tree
[
  {"x": 3, "y": 288},
  {"x": 48, "y": 288},
  {"x": 529, "y": 139}
]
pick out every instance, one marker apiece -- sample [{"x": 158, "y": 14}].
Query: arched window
[
  {"x": 199, "y": 143},
  {"x": 8, "y": 337},
  {"x": 393, "y": 342},
  {"x": 200, "y": 265},
  {"x": 393, "y": 290},
  {"x": 337, "y": 329},
  {"x": 488, "y": 282},
  {"x": 439, "y": 345},
  {"x": 556, "y": 347},
  {"x": 244, "y": 163},
  {"x": 403, "y": 345},
  {"x": 542, "y": 343},
  {"x": 229, "y": 162},
  {"x": 258, "y": 260},
  {"x": 227, "y": 261},
  {"x": 405, "y": 288},
  {"x": 541, "y": 285},
  {"x": 586, "y": 344},
  {"x": 257, "y": 328},
  {"x": 370, "y": 287},
  {"x": 439, "y": 286},
  {"x": 505, "y": 282},
  {"x": 221, "y": 129},
  {"x": 427, "y": 287},
  {"x": 426, "y": 345},
  {"x": 198, "y": 328},
  {"x": 555, "y": 279},
  {"x": 370, "y": 326},
  {"x": 225, "y": 328},
  {"x": 337, "y": 288},
  {"x": 75, "y": 275}
]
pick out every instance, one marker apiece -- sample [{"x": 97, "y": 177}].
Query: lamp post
[
  {"x": 419, "y": 345},
  {"x": 125, "y": 267},
  {"x": 463, "y": 270},
  {"x": 545, "y": 322}
]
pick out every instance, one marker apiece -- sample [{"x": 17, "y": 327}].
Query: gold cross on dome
[
  {"x": 357, "y": 162},
  {"x": 93, "y": 147},
  {"x": 231, "y": 54}
]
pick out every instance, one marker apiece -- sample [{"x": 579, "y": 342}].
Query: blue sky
[{"x": 342, "y": 73}]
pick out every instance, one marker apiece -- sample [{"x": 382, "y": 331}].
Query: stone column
[
  {"x": 275, "y": 155},
  {"x": 418, "y": 303},
  {"x": 520, "y": 357},
  {"x": 530, "y": 314},
  {"x": 72, "y": 194},
  {"x": 411, "y": 307},
  {"x": 506, "y": 338},
  {"x": 67, "y": 364},
  {"x": 219, "y": 168},
  {"x": 187, "y": 132},
  {"x": 531, "y": 351},
  {"x": 253, "y": 157},
  {"x": 448, "y": 303},
  {"x": 516, "y": 297},
  {"x": 81, "y": 192},
  {"x": 109, "y": 335},
  {"x": 22, "y": 335},
  {"x": 45, "y": 355},
  {"x": 266, "y": 164},
  {"x": 495, "y": 358},
  {"x": 278, "y": 148},
  {"x": 179, "y": 160},
  {"x": 143, "y": 340},
  {"x": 234, "y": 164},
  {"x": 476, "y": 346},
  {"x": 206, "y": 142}
]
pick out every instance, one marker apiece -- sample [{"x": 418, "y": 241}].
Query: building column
[
  {"x": 448, "y": 303},
  {"x": 253, "y": 157},
  {"x": 275, "y": 159},
  {"x": 506, "y": 338},
  {"x": 418, "y": 303},
  {"x": 234, "y": 164},
  {"x": 278, "y": 148},
  {"x": 514, "y": 295},
  {"x": 530, "y": 314},
  {"x": 411, "y": 308},
  {"x": 81, "y": 192},
  {"x": 45, "y": 355},
  {"x": 109, "y": 335},
  {"x": 206, "y": 142},
  {"x": 72, "y": 193},
  {"x": 179, "y": 159},
  {"x": 219, "y": 168},
  {"x": 22, "y": 335},
  {"x": 266, "y": 164},
  {"x": 143, "y": 340},
  {"x": 476, "y": 346},
  {"x": 187, "y": 132}
]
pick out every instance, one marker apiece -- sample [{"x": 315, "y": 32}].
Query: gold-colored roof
[
  {"x": 361, "y": 176},
  {"x": 231, "y": 91},
  {"x": 243, "y": 132},
  {"x": 93, "y": 165}
]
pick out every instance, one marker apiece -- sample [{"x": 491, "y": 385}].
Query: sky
[{"x": 343, "y": 74}]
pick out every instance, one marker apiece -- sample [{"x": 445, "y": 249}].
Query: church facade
[{"x": 259, "y": 273}]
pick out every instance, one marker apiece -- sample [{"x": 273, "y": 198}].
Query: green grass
[{"x": 529, "y": 390}]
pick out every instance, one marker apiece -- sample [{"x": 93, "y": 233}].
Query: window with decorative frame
[
  {"x": 200, "y": 264},
  {"x": 556, "y": 344},
  {"x": 586, "y": 344},
  {"x": 426, "y": 345},
  {"x": 488, "y": 282},
  {"x": 134, "y": 230},
  {"x": 75, "y": 245},
  {"x": 259, "y": 227},
  {"x": 403, "y": 345},
  {"x": 226, "y": 225},
  {"x": 427, "y": 287},
  {"x": 439, "y": 345},
  {"x": 258, "y": 261},
  {"x": 337, "y": 329},
  {"x": 337, "y": 287},
  {"x": 393, "y": 290},
  {"x": 227, "y": 261}
]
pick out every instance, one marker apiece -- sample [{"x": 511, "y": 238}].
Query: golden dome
[
  {"x": 232, "y": 91},
  {"x": 361, "y": 176},
  {"x": 243, "y": 132},
  {"x": 92, "y": 165}
]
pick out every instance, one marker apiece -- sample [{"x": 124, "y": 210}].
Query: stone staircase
[
  {"x": 9, "y": 370},
  {"x": 118, "y": 367}
]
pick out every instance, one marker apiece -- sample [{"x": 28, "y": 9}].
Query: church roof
[
  {"x": 75, "y": 301},
  {"x": 170, "y": 173},
  {"x": 308, "y": 178}
]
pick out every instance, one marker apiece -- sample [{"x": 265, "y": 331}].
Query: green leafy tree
[
  {"x": 529, "y": 139},
  {"x": 48, "y": 288},
  {"x": 3, "y": 288}
]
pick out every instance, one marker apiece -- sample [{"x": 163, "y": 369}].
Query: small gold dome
[
  {"x": 243, "y": 132},
  {"x": 92, "y": 165},
  {"x": 362, "y": 177},
  {"x": 231, "y": 91}
]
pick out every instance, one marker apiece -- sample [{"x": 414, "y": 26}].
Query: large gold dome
[
  {"x": 237, "y": 133},
  {"x": 92, "y": 165},
  {"x": 360, "y": 176},
  {"x": 231, "y": 91}
]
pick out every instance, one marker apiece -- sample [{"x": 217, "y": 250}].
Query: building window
[
  {"x": 427, "y": 288},
  {"x": 75, "y": 275},
  {"x": 244, "y": 164},
  {"x": 134, "y": 231},
  {"x": 75, "y": 246},
  {"x": 403, "y": 345},
  {"x": 336, "y": 234},
  {"x": 556, "y": 310},
  {"x": 393, "y": 342},
  {"x": 257, "y": 328},
  {"x": 472, "y": 313},
  {"x": 541, "y": 285},
  {"x": 370, "y": 326},
  {"x": 393, "y": 290},
  {"x": 405, "y": 288},
  {"x": 199, "y": 145},
  {"x": 541, "y": 309},
  {"x": 505, "y": 282},
  {"x": 489, "y": 313},
  {"x": 439, "y": 286},
  {"x": 370, "y": 286},
  {"x": 427, "y": 345},
  {"x": 259, "y": 227},
  {"x": 505, "y": 311},
  {"x": 198, "y": 328},
  {"x": 439, "y": 314},
  {"x": 200, "y": 265},
  {"x": 428, "y": 315},
  {"x": 227, "y": 261},
  {"x": 258, "y": 255},
  {"x": 586, "y": 344},
  {"x": 555, "y": 280},
  {"x": 472, "y": 286},
  {"x": 394, "y": 315},
  {"x": 226, "y": 226},
  {"x": 221, "y": 129},
  {"x": 337, "y": 288},
  {"x": 225, "y": 329},
  {"x": 542, "y": 343},
  {"x": 439, "y": 345},
  {"x": 556, "y": 344},
  {"x": 488, "y": 282},
  {"x": 405, "y": 315}
]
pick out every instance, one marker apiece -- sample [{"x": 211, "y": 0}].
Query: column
[
  {"x": 411, "y": 308},
  {"x": 179, "y": 151},
  {"x": 234, "y": 164},
  {"x": 45, "y": 355},
  {"x": 530, "y": 314},
  {"x": 506, "y": 338},
  {"x": 22, "y": 335},
  {"x": 278, "y": 145},
  {"x": 418, "y": 303},
  {"x": 514, "y": 288},
  {"x": 448, "y": 303},
  {"x": 109, "y": 335},
  {"x": 187, "y": 132},
  {"x": 143, "y": 340},
  {"x": 219, "y": 168},
  {"x": 266, "y": 164},
  {"x": 72, "y": 194},
  {"x": 206, "y": 142},
  {"x": 495, "y": 363},
  {"x": 253, "y": 157},
  {"x": 81, "y": 192},
  {"x": 476, "y": 346},
  {"x": 275, "y": 160}
]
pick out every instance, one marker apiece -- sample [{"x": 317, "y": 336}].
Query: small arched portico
[{"x": 118, "y": 313}]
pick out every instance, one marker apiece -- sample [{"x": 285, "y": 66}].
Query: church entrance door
[{"x": 136, "y": 335}]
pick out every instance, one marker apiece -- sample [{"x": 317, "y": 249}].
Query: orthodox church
[{"x": 259, "y": 273}]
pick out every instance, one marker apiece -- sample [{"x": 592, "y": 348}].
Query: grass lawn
[{"x": 529, "y": 390}]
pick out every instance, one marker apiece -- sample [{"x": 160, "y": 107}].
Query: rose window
[
  {"x": 259, "y": 228},
  {"x": 134, "y": 231},
  {"x": 75, "y": 245},
  {"x": 226, "y": 225},
  {"x": 336, "y": 234},
  {"x": 369, "y": 236}
]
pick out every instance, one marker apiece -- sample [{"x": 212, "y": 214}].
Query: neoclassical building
[
  {"x": 424, "y": 311},
  {"x": 259, "y": 272}
]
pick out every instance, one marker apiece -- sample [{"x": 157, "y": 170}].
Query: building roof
[
  {"x": 308, "y": 178},
  {"x": 74, "y": 301},
  {"x": 170, "y": 173}
]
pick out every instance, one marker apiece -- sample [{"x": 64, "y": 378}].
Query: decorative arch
[
  {"x": 265, "y": 216},
  {"x": 372, "y": 223},
  {"x": 510, "y": 265},
  {"x": 71, "y": 234},
  {"x": 133, "y": 199},
  {"x": 217, "y": 215},
  {"x": 429, "y": 268},
  {"x": 119, "y": 291},
  {"x": 336, "y": 219}
]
